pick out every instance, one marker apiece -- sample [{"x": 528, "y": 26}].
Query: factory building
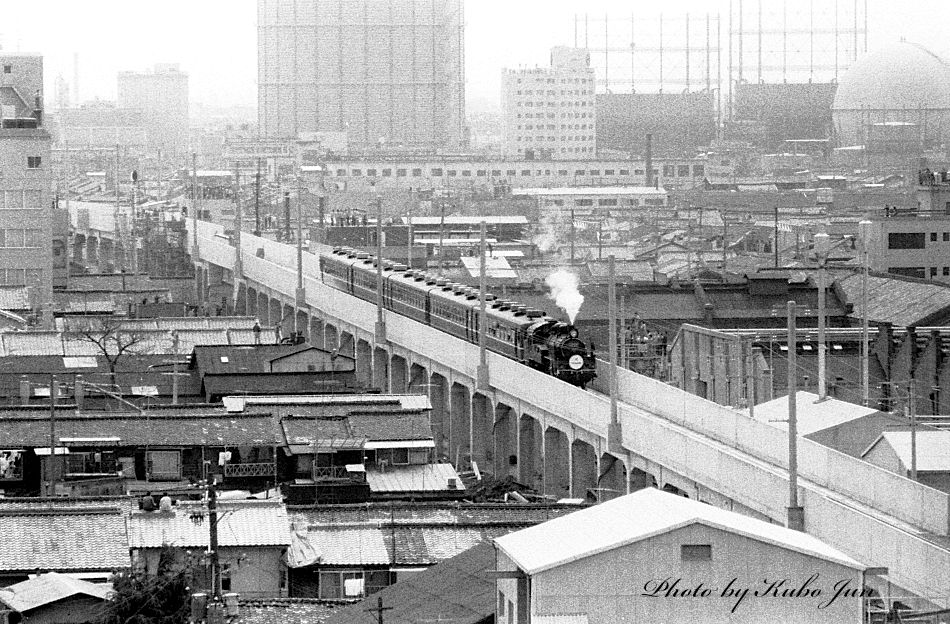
[
  {"x": 388, "y": 74},
  {"x": 161, "y": 97}
]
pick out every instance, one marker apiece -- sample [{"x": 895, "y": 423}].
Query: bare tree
[{"x": 113, "y": 338}]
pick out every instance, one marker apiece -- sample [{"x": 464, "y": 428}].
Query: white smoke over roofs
[{"x": 564, "y": 292}]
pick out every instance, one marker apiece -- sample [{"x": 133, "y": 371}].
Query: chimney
[
  {"x": 24, "y": 391},
  {"x": 453, "y": 484},
  {"x": 649, "y": 160}
]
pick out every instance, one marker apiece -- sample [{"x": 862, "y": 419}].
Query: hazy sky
[{"x": 215, "y": 41}]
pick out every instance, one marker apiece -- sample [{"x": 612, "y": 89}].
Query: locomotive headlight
[
  {"x": 573, "y": 332},
  {"x": 575, "y": 362}
]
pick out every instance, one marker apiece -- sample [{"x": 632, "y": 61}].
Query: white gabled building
[{"x": 657, "y": 557}]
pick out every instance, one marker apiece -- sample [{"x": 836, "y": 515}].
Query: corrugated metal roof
[
  {"x": 240, "y": 523},
  {"x": 61, "y": 540},
  {"x": 639, "y": 516},
  {"x": 48, "y": 588},
  {"x": 419, "y": 478},
  {"x": 350, "y": 547}
]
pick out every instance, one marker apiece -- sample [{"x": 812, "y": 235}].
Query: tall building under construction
[{"x": 388, "y": 73}]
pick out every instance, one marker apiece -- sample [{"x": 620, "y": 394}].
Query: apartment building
[
  {"x": 160, "y": 96},
  {"x": 26, "y": 212},
  {"x": 550, "y": 113}
]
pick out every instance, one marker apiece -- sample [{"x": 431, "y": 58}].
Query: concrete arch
[
  {"x": 287, "y": 320},
  {"x": 483, "y": 448},
  {"x": 441, "y": 423},
  {"x": 398, "y": 374},
  {"x": 273, "y": 312},
  {"x": 639, "y": 479},
  {"x": 583, "y": 469},
  {"x": 251, "y": 301},
  {"x": 557, "y": 464},
  {"x": 302, "y": 323},
  {"x": 364, "y": 363},
  {"x": 345, "y": 341},
  {"x": 530, "y": 453},
  {"x": 315, "y": 332},
  {"x": 418, "y": 380},
  {"x": 240, "y": 299},
  {"x": 672, "y": 489},
  {"x": 612, "y": 480},
  {"x": 505, "y": 434},
  {"x": 460, "y": 426},
  {"x": 381, "y": 369}
]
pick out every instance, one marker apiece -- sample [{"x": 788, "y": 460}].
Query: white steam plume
[
  {"x": 547, "y": 233},
  {"x": 564, "y": 292}
]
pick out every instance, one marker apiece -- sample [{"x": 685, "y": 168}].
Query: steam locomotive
[{"x": 513, "y": 330}]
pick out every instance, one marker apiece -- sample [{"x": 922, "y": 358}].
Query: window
[
  {"x": 595, "y": 172},
  {"x": 338, "y": 584},
  {"x": 946, "y": 237},
  {"x": 371, "y": 173},
  {"x": 496, "y": 173},
  {"x": 341, "y": 173},
  {"x": 579, "y": 172},
  {"x": 33, "y": 162},
  {"x": 917, "y": 272},
  {"x": 606, "y": 202},
  {"x": 226, "y": 577},
  {"x": 668, "y": 170},
  {"x": 452, "y": 173},
  {"x": 416, "y": 173},
  {"x": 400, "y": 173},
  {"x": 164, "y": 465},
  {"x": 583, "y": 202},
  {"x": 511, "y": 612},
  {"x": 933, "y": 237},
  {"x": 696, "y": 552},
  {"x": 946, "y": 271},
  {"x": 481, "y": 173},
  {"x": 387, "y": 173},
  {"x": 466, "y": 173},
  {"x": 511, "y": 172},
  {"x": 699, "y": 170},
  {"x": 357, "y": 173},
  {"x": 525, "y": 172},
  {"x": 608, "y": 172},
  {"x": 437, "y": 172},
  {"x": 562, "y": 172},
  {"x": 501, "y": 604},
  {"x": 933, "y": 271},
  {"x": 624, "y": 172},
  {"x": 8, "y": 69},
  {"x": 906, "y": 240},
  {"x": 682, "y": 171}
]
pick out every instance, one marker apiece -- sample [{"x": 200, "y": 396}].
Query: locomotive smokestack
[{"x": 565, "y": 293}]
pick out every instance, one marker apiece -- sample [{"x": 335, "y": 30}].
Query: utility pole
[
  {"x": 53, "y": 467},
  {"x": 409, "y": 235},
  {"x": 175, "y": 367},
  {"x": 300, "y": 296},
  {"x": 864, "y": 230},
  {"x": 194, "y": 225},
  {"x": 380, "y": 321},
  {"x": 378, "y": 610},
  {"x": 441, "y": 233},
  {"x": 821, "y": 251},
  {"x": 572, "y": 237},
  {"x": 614, "y": 441},
  {"x": 776, "y": 237},
  {"x": 482, "y": 372},
  {"x": 257, "y": 200},
  {"x": 912, "y": 409},
  {"x": 796, "y": 514},
  {"x": 213, "y": 539}
]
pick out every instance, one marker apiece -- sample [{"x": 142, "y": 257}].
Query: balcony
[
  {"x": 330, "y": 472},
  {"x": 262, "y": 469}
]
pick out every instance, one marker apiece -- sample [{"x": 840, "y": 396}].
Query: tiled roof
[
  {"x": 310, "y": 430},
  {"x": 351, "y": 546},
  {"x": 458, "y": 590},
  {"x": 48, "y": 588},
  {"x": 286, "y": 611},
  {"x": 212, "y": 360},
  {"x": 188, "y": 427},
  {"x": 59, "y": 540},
  {"x": 428, "y": 514},
  {"x": 896, "y": 300},
  {"x": 932, "y": 449},
  {"x": 240, "y": 523},
  {"x": 382, "y": 426},
  {"x": 415, "y": 478},
  {"x": 14, "y": 298}
]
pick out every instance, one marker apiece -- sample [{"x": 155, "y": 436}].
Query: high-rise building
[
  {"x": 389, "y": 74},
  {"x": 550, "y": 113},
  {"x": 26, "y": 212},
  {"x": 161, "y": 94}
]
